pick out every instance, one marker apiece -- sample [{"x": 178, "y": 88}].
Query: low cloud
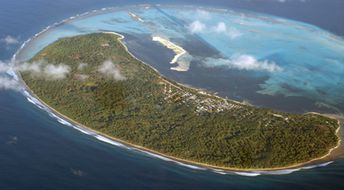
[
  {"x": 4, "y": 67},
  {"x": 111, "y": 70},
  {"x": 197, "y": 27},
  {"x": 36, "y": 69},
  {"x": 231, "y": 32},
  {"x": 48, "y": 71},
  {"x": 56, "y": 72},
  {"x": 7, "y": 83},
  {"x": 221, "y": 28},
  {"x": 42, "y": 69},
  {"x": 243, "y": 62},
  {"x": 10, "y": 40}
]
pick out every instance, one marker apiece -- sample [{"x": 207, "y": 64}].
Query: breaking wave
[
  {"x": 86, "y": 131},
  {"x": 30, "y": 98}
]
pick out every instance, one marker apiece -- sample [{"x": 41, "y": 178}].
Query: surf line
[{"x": 39, "y": 103}]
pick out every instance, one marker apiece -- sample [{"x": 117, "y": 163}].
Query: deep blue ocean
[{"x": 37, "y": 152}]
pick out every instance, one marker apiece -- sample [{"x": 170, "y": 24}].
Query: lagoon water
[
  {"x": 264, "y": 60},
  {"x": 303, "y": 71}
]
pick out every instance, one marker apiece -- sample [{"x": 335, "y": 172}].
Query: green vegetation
[{"x": 148, "y": 110}]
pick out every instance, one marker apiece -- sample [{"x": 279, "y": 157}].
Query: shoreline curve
[{"x": 175, "y": 159}]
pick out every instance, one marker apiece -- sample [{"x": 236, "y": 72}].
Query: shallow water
[{"x": 294, "y": 66}]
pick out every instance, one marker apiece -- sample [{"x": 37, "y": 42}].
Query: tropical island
[{"x": 110, "y": 91}]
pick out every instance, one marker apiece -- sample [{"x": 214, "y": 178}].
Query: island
[
  {"x": 179, "y": 51},
  {"x": 110, "y": 91}
]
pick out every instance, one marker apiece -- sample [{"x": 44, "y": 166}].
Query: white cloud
[
  {"x": 10, "y": 40},
  {"x": 243, "y": 62},
  {"x": 7, "y": 83},
  {"x": 56, "y": 72},
  {"x": 220, "y": 27},
  {"x": 37, "y": 69},
  {"x": 48, "y": 71},
  {"x": 111, "y": 70},
  {"x": 231, "y": 32},
  {"x": 4, "y": 67},
  {"x": 197, "y": 27}
]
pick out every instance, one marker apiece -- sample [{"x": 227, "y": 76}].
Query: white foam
[
  {"x": 171, "y": 160},
  {"x": 64, "y": 122},
  {"x": 289, "y": 171},
  {"x": 109, "y": 141},
  {"x": 222, "y": 172},
  {"x": 33, "y": 100},
  {"x": 156, "y": 156},
  {"x": 180, "y": 67},
  {"x": 84, "y": 131},
  {"x": 52, "y": 115},
  {"x": 67, "y": 123},
  {"x": 317, "y": 166},
  {"x": 280, "y": 172},
  {"x": 248, "y": 174},
  {"x": 29, "y": 99},
  {"x": 26, "y": 93},
  {"x": 190, "y": 166}
]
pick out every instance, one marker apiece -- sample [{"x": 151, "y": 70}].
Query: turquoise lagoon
[{"x": 261, "y": 59}]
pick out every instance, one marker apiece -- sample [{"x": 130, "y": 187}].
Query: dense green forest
[{"x": 146, "y": 109}]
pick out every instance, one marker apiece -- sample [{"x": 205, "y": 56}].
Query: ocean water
[{"x": 39, "y": 152}]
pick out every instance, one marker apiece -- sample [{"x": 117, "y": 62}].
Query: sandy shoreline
[
  {"x": 179, "y": 51},
  {"x": 195, "y": 163},
  {"x": 182, "y": 66}
]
